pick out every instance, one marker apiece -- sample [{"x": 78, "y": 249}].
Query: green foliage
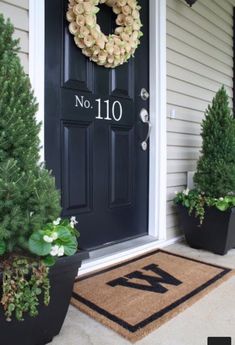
[
  {"x": 23, "y": 282},
  {"x": 28, "y": 198},
  {"x": 215, "y": 175},
  {"x": 193, "y": 200},
  {"x": 37, "y": 245},
  {"x": 55, "y": 239},
  {"x": 196, "y": 202}
]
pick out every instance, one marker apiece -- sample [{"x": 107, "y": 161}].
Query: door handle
[{"x": 144, "y": 116}]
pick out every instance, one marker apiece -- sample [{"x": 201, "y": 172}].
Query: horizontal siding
[
  {"x": 18, "y": 3},
  {"x": 184, "y": 127},
  {"x": 231, "y": 2},
  {"x": 224, "y": 51},
  {"x": 176, "y": 179},
  {"x": 202, "y": 55},
  {"x": 199, "y": 61},
  {"x": 209, "y": 27},
  {"x": 23, "y": 36},
  {"x": 17, "y": 12},
  {"x": 226, "y": 6},
  {"x": 194, "y": 78},
  {"x": 182, "y": 56},
  {"x": 208, "y": 10},
  {"x": 185, "y": 87},
  {"x": 173, "y": 232},
  {"x": 190, "y": 115}
]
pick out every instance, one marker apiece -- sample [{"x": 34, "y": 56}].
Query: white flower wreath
[{"x": 112, "y": 50}]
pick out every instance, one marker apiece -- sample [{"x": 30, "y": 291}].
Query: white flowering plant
[
  {"x": 56, "y": 239},
  {"x": 197, "y": 202}
]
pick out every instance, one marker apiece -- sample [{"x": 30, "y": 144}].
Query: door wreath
[{"x": 112, "y": 50}]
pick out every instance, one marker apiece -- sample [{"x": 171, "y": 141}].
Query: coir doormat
[{"x": 137, "y": 296}]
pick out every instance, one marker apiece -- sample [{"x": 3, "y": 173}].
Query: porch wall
[
  {"x": 17, "y": 11},
  {"x": 199, "y": 60}
]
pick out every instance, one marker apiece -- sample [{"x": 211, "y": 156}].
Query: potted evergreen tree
[
  {"x": 38, "y": 250},
  {"x": 207, "y": 212}
]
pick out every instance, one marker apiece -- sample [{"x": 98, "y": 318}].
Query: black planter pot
[
  {"x": 41, "y": 329},
  {"x": 216, "y": 234}
]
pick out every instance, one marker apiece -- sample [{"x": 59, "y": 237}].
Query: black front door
[{"x": 93, "y": 132}]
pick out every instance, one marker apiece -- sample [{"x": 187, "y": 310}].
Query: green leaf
[
  {"x": 49, "y": 260},
  {"x": 11, "y": 307},
  {"x": 23, "y": 242},
  {"x": 68, "y": 240},
  {"x": 64, "y": 222},
  {"x": 222, "y": 206},
  {"x": 63, "y": 233},
  {"x": 2, "y": 247},
  {"x": 11, "y": 244},
  {"x": 70, "y": 247},
  {"x": 38, "y": 291},
  {"x": 37, "y": 245}
]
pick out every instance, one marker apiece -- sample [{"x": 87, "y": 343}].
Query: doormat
[{"x": 137, "y": 296}]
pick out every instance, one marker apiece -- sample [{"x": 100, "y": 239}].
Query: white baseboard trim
[{"x": 97, "y": 264}]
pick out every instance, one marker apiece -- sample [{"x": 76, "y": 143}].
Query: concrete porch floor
[{"x": 213, "y": 315}]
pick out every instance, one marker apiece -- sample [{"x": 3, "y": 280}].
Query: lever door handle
[{"x": 144, "y": 116}]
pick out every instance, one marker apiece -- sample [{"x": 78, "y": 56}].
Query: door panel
[
  {"x": 122, "y": 84},
  {"x": 93, "y": 132},
  {"x": 122, "y": 164},
  {"x": 76, "y": 69},
  {"x": 76, "y": 168}
]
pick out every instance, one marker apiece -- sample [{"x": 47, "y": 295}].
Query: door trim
[
  {"x": 158, "y": 146},
  {"x": 37, "y": 59}
]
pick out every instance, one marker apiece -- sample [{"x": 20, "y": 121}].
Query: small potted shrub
[
  {"x": 207, "y": 212},
  {"x": 38, "y": 251}
]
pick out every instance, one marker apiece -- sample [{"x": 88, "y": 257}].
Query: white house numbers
[
  {"x": 112, "y": 110},
  {"x": 104, "y": 109}
]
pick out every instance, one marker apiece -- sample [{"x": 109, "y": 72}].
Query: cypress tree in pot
[
  {"x": 207, "y": 212},
  {"x": 36, "y": 278}
]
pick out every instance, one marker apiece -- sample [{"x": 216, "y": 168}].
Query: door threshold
[
  {"x": 113, "y": 254},
  {"x": 120, "y": 247}
]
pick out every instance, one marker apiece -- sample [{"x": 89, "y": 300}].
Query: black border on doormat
[{"x": 160, "y": 313}]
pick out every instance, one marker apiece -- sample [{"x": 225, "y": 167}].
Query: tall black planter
[
  {"x": 41, "y": 329},
  {"x": 216, "y": 234}
]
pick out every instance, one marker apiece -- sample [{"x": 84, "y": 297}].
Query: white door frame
[{"x": 158, "y": 146}]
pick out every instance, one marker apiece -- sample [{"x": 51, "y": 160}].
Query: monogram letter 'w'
[{"x": 154, "y": 283}]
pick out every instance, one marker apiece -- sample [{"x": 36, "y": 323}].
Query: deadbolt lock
[{"x": 144, "y": 94}]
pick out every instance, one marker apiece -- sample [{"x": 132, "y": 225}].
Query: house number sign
[{"x": 104, "y": 109}]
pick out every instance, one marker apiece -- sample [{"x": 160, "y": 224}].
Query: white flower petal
[
  {"x": 54, "y": 236},
  {"x": 54, "y": 250},
  {"x": 47, "y": 239},
  {"x": 57, "y": 221},
  {"x": 61, "y": 251},
  {"x": 73, "y": 221},
  {"x": 186, "y": 191}
]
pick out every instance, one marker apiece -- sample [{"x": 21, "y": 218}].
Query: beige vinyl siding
[
  {"x": 199, "y": 61},
  {"x": 17, "y": 12}
]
